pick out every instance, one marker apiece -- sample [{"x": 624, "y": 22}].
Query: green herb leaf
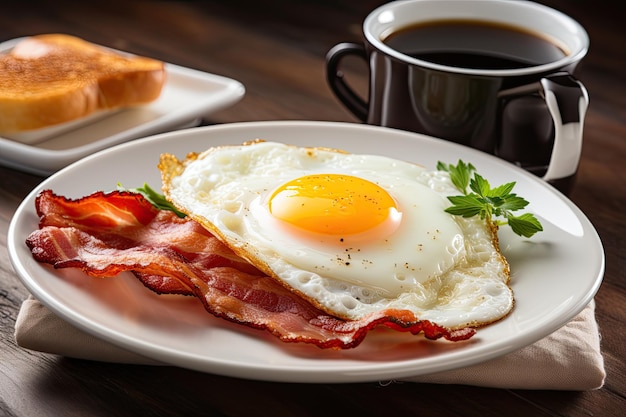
[
  {"x": 459, "y": 174},
  {"x": 513, "y": 203},
  {"x": 503, "y": 189},
  {"x": 156, "y": 199},
  {"x": 494, "y": 204},
  {"x": 525, "y": 225},
  {"x": 466, "y": 206}
]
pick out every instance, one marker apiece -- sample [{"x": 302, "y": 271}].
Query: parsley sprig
[
  {"x": 156, "y": 199},
  {"x": 493, "y": 204}
]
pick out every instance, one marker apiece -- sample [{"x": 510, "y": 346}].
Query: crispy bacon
[{"x": 107, "y": 233}]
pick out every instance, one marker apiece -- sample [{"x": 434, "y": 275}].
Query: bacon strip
[{"x": 105, "y": 234}]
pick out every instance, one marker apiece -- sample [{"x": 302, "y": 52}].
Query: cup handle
[
  {"x": 335, "y": 77},
  {"x": 567, "y": 101}
]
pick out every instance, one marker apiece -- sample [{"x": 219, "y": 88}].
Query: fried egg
[{"x": 353, "y": 234}]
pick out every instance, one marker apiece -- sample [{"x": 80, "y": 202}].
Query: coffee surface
[{"x": 474, "y": 44}]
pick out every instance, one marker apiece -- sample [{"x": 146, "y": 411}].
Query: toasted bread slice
[{"x": 50, "y": 79}]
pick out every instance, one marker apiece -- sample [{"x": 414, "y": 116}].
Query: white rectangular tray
[{"x": 187, "y": 96}]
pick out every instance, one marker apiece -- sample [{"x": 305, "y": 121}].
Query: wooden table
[{"x": 277, "y": 49}]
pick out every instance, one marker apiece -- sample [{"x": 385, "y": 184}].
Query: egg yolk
[{"x": 332, "y": 204}]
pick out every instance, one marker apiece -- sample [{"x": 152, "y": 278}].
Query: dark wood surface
[{"x": 277, "y": 49}]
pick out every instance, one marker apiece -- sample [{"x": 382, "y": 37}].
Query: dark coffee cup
[{"x": 495, "y": 75}]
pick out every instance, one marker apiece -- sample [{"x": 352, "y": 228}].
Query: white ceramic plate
[
  {"x": 187, "y": 96},
  {"x": 554, "y": 275}
]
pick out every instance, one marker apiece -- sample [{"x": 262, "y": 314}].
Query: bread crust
[{"x": 55, "y": 78}]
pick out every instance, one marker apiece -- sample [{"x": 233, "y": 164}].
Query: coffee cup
[{"x": 495, "y": 75}]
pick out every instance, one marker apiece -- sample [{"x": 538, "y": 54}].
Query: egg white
[{"x": 443, "y": 268}]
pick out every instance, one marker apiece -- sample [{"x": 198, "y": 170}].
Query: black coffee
[{"x": 474, "y": 44}]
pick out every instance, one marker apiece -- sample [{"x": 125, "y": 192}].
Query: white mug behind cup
[{"x": 496, "y": 75}]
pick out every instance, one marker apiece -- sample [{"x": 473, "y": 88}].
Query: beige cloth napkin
[{"x": 568, "y": 359}]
